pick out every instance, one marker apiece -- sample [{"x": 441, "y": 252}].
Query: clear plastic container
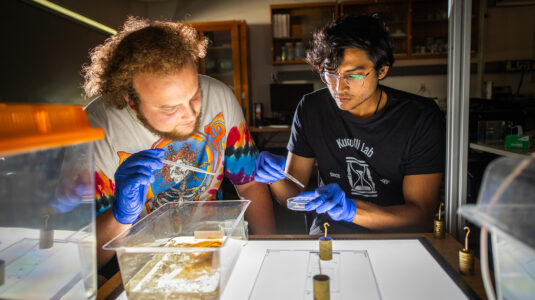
[
  {"x": 182, "y": 250},
  {"x": 47, "y": 210},
  {"x": 506, "y": 208},
  {"x": 297, "y": 203}
]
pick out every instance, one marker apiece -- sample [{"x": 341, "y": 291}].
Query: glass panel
[
  {"x": 218, "y": 61},
  {"x": 47, "y": 238},
  {"x": 501, "y": 93},
  {"x": 500, "y": 106}
]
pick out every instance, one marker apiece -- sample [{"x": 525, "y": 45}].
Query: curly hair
[
  {"x": 158, "y": 47},
  {"x": 354, "y": 31}
]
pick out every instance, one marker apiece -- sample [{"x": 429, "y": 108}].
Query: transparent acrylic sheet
[
  {"x": 287, "y": 274},
  {"x": 49, "y": 272}
]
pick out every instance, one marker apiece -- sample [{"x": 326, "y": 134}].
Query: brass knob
[
  {"x": 466, "y": 257},
  {"x": 439, "y": 228},
  {"x": 326, "y": 246}
]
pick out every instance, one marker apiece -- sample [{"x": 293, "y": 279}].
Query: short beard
[{"x": 171, "y": 135}]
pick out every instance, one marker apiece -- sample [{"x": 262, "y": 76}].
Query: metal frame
[{"x": 459, "y": 13}]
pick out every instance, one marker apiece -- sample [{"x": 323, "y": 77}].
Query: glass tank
[
  {"x": 47, "y": 213},
  {"x": 182, "y": 250},
  {"x": 506, "y": 208}
]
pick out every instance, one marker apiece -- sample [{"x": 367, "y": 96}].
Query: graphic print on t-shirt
[
  {"x": 207, "y": 150},
  {"x": 360, "y": 178},
  {"x": 358, "y": 171},
  {"x": 203, "y": 150}
]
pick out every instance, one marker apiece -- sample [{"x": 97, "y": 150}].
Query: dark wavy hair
[
  {"x": 157, "y": 47},
  {"x": 354, "y": 31}
]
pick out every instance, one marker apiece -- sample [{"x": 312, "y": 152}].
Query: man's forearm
[
  {"x": 259, "y": 214},
  {"x": 107, "y": 229},
  {"x": 406, "y": 217},
  {"x": 284, "y": 189}
]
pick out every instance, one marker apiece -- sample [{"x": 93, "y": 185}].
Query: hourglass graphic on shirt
[{"x": 360, "y": 178}]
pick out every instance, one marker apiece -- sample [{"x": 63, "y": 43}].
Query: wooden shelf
[
  {"x": 288, "y": 38},
  {"x": 428, "y": 55},
  {"x": 500, "y": 150},
  {"x": 289, "y": 62},
  {"x": 221, "y": 74},
  {"x": 270, "y": 129},
  {"x": 412, "y": 17},
  {"x": 229, "y": 47},
  {"x": 304, "y": 19},
  {"x": 430, "y": 21}
]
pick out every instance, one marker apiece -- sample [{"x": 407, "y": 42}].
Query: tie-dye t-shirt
[{"x": 222, "y": 145}]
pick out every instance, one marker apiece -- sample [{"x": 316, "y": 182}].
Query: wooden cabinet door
[{"x": 226, "y": 57}]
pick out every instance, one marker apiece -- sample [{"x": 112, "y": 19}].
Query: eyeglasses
[{"x": 352, "y": 80}]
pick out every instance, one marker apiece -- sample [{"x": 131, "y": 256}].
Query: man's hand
[
  {"x": 269, "y": 167},
  {"x": 132, "y": 180},
  {"x": 331, "y": 199},
  {"x": 73, "y": 186}
]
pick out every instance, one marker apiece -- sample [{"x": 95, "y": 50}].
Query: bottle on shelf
[
  {"x": 290, "y": 51},
  {"x": 284, "y": 53},
  {"x": 299, "y": 50}
]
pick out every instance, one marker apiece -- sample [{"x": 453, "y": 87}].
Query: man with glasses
[
  {"x": 154, "y": 105},
  {"x": 379, "y": 151}
]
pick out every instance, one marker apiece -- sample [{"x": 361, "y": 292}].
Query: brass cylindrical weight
[
  {"x": 466, "y": 262},
  {"x": 46, "y": 238},
  {"x": 46, "y": 234},
  {"x": 326, "y": 248},
  {"x": 439, "y": 231},
  {"x": 321, "y": 287},
  {"x": 2, "y": 271}
]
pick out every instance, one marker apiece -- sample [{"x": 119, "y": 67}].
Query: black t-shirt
[{"x": 369, "y": 157}]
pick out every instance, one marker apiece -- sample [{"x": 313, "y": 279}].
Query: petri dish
[{"x": 297, "y": 203}]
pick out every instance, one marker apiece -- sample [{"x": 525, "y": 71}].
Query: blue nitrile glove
[
  {"x": 269, "y": 167},
  {"x": 132, "y": 180},
  {"x": 331, "y": 199}
]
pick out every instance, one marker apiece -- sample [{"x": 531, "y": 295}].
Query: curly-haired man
[
  {"x": 379, "y": 151},
  {"x": 154, "y": 105}
]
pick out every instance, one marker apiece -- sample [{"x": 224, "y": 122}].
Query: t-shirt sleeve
[
  {"x": 428, "y": 146},
  {"x": 104, "y": 165},
  {"x": 298, "y": 143},
  {"x": 240, "y": 151}
]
